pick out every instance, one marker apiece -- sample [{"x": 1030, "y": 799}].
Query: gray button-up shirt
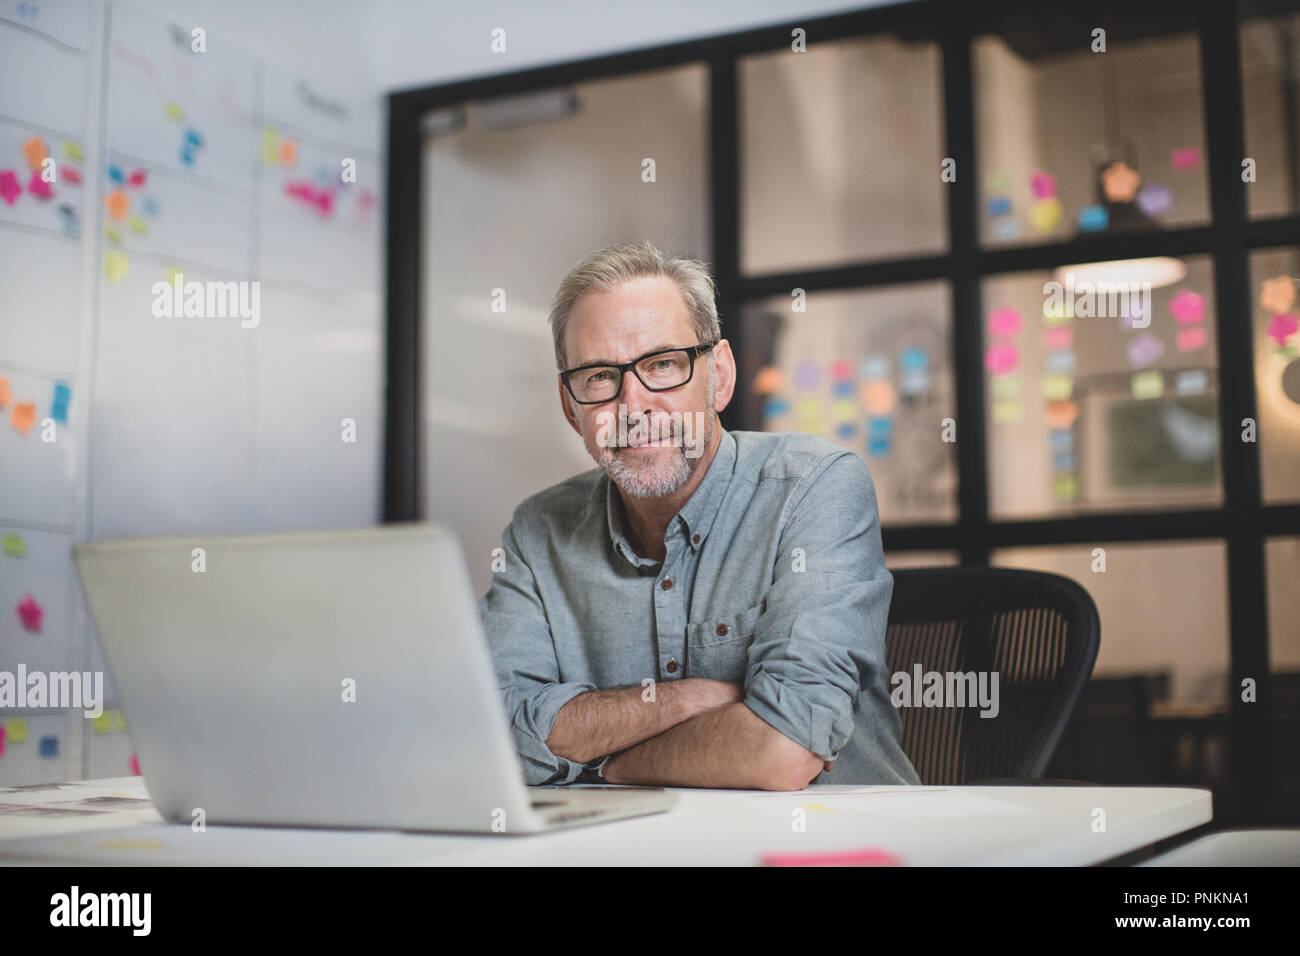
[{"x": 774, "y": 577}]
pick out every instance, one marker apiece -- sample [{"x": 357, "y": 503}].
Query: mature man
[{"x": 707, "y": 608}]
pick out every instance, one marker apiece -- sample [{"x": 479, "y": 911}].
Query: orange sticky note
[
  {"x": 4, "y": 391},
  {"x": 1062, "y": 414},
  {"x": 117, "y": 203},
  {"x": 35, "y": 151},
  {"x": 23, "y": 416},
  {"x": 769, "y": 380},
  {"x": 288, "y": 151}
]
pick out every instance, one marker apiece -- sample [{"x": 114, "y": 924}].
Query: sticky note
[
  {"x": 4, "y": 391},
  {"x": 874, "y": 366},
  {"x": 1277, "y": 294},
  {"x": 103, "y": 724},
  {"x": 113, "y": 234},
  {"x": 913, "y": 382},
  {"x": 1006, "y": 229},
  {"x": 1058, "y": 337},
  {"x": 34, "y": 152},
  {"x": 869, "y": 856},
  {"x": 839, "y": 370},
  {"x": 118, "y": 720},
  {"x": 807, "y": 375},
  {"x": 117, "y": 203},
  {"x": 49, "y": 746},
  {"x": 879, "y": 397},
  {"x": 172, "y": 110},
  {"x": 192, "y": 138},
  {"x": 1057, "y": 387},
  {"x": 138, "y": 225},
  {"x": 116, "y": 266},
  {"x": 878, "y": 447},
  {"x": 59, "y": 403},
  {"x": 1187, "y": 307},
  {"x": 1005, "y": 386},
  {"x": 1154, "y": 199},
  {"x": 1061, "y": 415},
  {"x": 72, "y": 150},
  {"x": 1144, "y": 349},
  {"x": 1191, "y": 338},
  {"x": 997, "y": 182},
  {"x": 39, "y": 188},
  {"x": 1280, "y": 328},
  {"x": 1046, "y": 214},
  {"x": 1063, "y": 461},
  {"x": 30, "y": 612},
  {"x": 270, "y": 146},
  {"x": 1006, "y": 410},
  {"x": 288, "y": 151},
  {"x": 136, "y": 179},
  {"x": 843, "y": 389},
  {"x": 913, "y": 358},
  {"x": 16, "y": 731},
  {"x": 999, "y": 205},
  {"x": 768, "y": 380},
  {"x": 1188, "y": 157},
  {"x": 1043, "y": 185},
  {"x": 23, "y": 416},
  {"x": 842, "y": 411},
  {"x": 775, "y": 407},
  {"x": 845, "y": 431},
  {"x": 1002, "y": 358},
  {"x": 187, "y": 155},
  {"x": 1065, "y": 487},
  {"x": 72, "y": 174},
  {"x": 172, "y": 272},
  {"x": 881, "y": 427},
  {"x": 2, "y": 741},
  {"x": 1059, "y": 360},
  {"x": 1093, "y": 218},
  {"x": 1120, "y": 181},
  {"x": 149, "y": 205},
  {"x": 134, "y": 765},
  {"x": 14, "y": 545},
  {"x": 1060, "y": 439},
  {"x": 115, "y": 174},
  {"x": 10, "y": 188},
  {"x": 1191, "y": 381},
  {"x": 1005, "y": 320},
  {"x": 809, "y": 408},
  {"x": 1148, "y": 384}
]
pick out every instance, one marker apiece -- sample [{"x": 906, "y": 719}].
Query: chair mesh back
[{"x": 1037, "y": 632}]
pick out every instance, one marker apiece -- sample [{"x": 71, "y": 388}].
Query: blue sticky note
[
  {"x": 878, "y": 447},
  {"x": 873, "y": 367},
  {"x": 193, "y": 138},
  {"x": 999, "y": 205},
  {"x": 775, "y": 407},
  {"x": 845, "y": 389},
  {"x": 49, "y": 746},
  {"x": 913, "y": 359},
  {"x": 880, "y": 428},
  {"x": 1063, "y": 461},
  {"x": 59, "y": 404},
  {"x": 1006, "y": 229},
  {"x": 115, "y": 174},
  {"x": 150, "y": 206},
  {"x": 187, "y": 156},
  {"x": 1093, "y": 218},
  {"x": 1059, "y": 361},
  {"x": 1061, "y": 439},
  {"x": 845, "y": 430}
]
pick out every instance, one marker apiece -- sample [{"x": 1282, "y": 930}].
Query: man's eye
[
  {"x": 598, "y": 378},
  {"x": 662, "y": 365}
]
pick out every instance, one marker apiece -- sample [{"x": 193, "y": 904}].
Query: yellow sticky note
[
  {"x": 820, "y": 808},
  {"x": 173, "y": 111},
  {"x": 14, "y": 545},
  {"x": 103, "y": 724},
  {"x": 1006, "y": 410},
  {"x": 16, "y": 731},
  {"x": 1006, "y": 386},
  {"x": 35, "y": 152},
  {"x": 73, "y": 150},
  {"x": 1149, "y": 383},
  {"x": 1065, "y": 487},
  {"x": 845, "y": 410},
  {"x": 116, "y": 266},
  {"x": 1046, "y": 214},
  {"x": 1057, "y": 388},
  {"x": 118, "y": 719},
  {"x": 172, "y": 273},
  {"x": 138, "y": 225},
  {"x": 4, "y": 391},
  {"x": 117, "y": 203},
  {"x": 23, "y": 417},
  {"x": 270, "y": 146}
]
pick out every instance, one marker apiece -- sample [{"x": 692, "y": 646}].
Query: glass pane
[
  {"x": 831, "y": 142},
  {"x": 1074, "y": 141},
  {"x": 1156, "y": 707},
  {"x": 1282, "y": 561},
  {"x": 1274, "y": 277},
  {"x": 869, "y": 370},
  {"x": 1101, "y": 396},
  {"x": 897, "y": 560},
  {"x": 516, "y": 191},
  {"x": 1271, "y": 94}
]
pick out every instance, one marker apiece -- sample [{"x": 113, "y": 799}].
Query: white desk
[{"x": 925, "y": 826}]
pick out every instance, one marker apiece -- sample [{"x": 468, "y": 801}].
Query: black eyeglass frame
[{"x": 694, "y": 351}]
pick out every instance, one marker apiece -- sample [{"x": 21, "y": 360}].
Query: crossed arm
[{"x": 693, "y": 733}]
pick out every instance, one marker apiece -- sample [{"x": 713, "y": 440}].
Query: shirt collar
[{"x": 696, "y": 516}]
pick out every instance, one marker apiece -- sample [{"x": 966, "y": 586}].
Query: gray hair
[{"x": 604, "y": 269}]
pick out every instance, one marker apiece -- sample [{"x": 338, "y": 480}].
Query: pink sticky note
[
  {"x": 2, "y": 741},
  {"x": 136, "y": 178},
  {"x": 31, "y": 613},
  {"x": 1280, "y": 327},
  {"x": 1187, "y": 307},
  {"x": 39, "y": 187},
  {"x": 840, "y": 370},
  {"x": 1189, "y": 157},
  {"x": 1058, "y": 337},
  {"x": 1005, "y": 320},
  {"x": 135, "y": 766},
  {"x": 1191, "y": 338},
  {"x": 10, "y": 188},
  {"x": 868, "y": 856},
  {"x": 1043, "y": 185},
  {"x": 1001, "y": 359}
]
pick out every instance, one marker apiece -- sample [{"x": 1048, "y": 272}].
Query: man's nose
[{"x": 636, "y": 396}]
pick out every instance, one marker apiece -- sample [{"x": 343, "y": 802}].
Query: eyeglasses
[{"x": 657, "y": 371}]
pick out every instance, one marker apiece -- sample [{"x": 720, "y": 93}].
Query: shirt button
[
  {"x": 668, "y": 584},
  {"x": 696, "y": 539},
  {"x": 671, "y": 667},
  {"x": 722, "y": 630}
]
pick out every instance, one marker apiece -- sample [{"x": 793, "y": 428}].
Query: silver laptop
[{"x": 319, "y": 679}]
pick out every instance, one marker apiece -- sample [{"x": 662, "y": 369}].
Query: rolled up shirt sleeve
[
  {"x": 820, "y": 641},
  {"x": 523, "y": 655}
]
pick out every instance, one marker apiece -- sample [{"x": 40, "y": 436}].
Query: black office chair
[{"x": 1039, "y": 632}]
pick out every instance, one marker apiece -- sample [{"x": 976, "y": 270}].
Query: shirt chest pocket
[{"x": 718, "y": 647}]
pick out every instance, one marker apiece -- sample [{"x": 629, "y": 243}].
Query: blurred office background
[{"x": 919, "y": 300}]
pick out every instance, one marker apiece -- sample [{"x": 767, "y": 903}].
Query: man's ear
[
  {"x": 726, "y": 364},
  {"x": 567, "y": 407}
]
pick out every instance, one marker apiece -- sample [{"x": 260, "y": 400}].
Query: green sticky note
[
  {"x": 1057, "y": 388},
  {"x": 1006, "y": 410},
  {"x": 14, "y": 546},
  {"x": 1149, "y": 383},
  {"x": 1006, "y": 386}
]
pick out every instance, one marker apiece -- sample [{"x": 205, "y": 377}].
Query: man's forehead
[{"x": 632, "y": 318}]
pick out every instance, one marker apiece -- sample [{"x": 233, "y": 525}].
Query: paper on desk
[{"x": 929, "y": 803}]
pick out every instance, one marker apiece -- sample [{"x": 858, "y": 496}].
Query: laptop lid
[{"x": 331, "y": 678}]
